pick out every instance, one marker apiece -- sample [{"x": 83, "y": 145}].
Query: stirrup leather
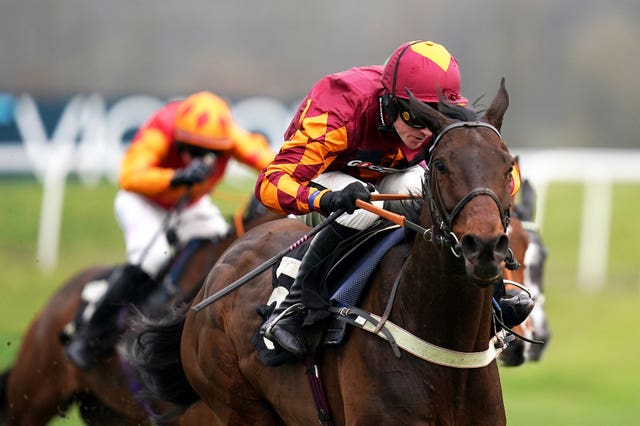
[{"x": 291, "y": 310}]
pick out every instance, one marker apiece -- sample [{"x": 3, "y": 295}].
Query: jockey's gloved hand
[
  {"x": 345, "y": 198},
  {"x": 195, "y": 172}
]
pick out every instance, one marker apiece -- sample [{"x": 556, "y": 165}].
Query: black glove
[
  {"x": 195, "y": 172},
  {"x": 345, "y": 198}
]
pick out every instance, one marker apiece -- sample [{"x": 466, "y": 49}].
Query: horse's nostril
[
  {"x": 501, "y": 247},
  {"x": 474, "y": 246},
  {"x": 471, "y": 246},
  {"x": 484, "y": 255}
]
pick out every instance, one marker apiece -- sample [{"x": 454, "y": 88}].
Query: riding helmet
[
  {"x": 204, "y": 120},
  {"x": 425, "y": 68}
]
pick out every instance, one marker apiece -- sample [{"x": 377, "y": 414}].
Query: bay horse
[
  {"x": 445, "y": 278},
  {"x": 43, "y": 383}
]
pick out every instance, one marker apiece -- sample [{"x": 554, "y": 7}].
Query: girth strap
[{"x": 399, "y": 337}]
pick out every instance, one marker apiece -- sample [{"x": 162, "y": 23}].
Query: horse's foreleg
[
  {"x": 213, "y": 369},
  {"x": 36, "y": 392}
]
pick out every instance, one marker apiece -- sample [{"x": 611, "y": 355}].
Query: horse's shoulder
[
  {"x": 284, "y": 223},
  {"x": 265, "y": 239},
  {"x": 284, "y": 227}
]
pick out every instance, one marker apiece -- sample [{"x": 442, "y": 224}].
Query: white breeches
[
  {"x": 406, "y": 182},
  {"x": 142, "y": 221}
]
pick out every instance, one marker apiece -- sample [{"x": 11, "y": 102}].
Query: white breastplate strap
[{"x": 418, "y": 347}]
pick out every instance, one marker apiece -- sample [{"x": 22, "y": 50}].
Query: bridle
[{"x": 443, "y": 219}]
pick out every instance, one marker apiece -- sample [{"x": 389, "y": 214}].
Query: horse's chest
[{"x": 425, "y": 394}]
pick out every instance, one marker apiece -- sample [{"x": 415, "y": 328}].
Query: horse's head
[{"x": 467, "y": 185}]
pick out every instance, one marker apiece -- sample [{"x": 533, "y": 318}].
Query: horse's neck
[
  {"x": 439, "y": 304},
  {"x": 195, "y": 265}
]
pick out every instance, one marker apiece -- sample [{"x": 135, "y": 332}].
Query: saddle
[{"x": 348, "y": 268}]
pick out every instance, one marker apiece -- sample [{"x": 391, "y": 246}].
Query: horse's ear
[
  {"x": 434, "y": 120},
  {"x": 498, "y": 107}
]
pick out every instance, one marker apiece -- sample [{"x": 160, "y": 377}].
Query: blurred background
[
  {"x": 79, "y": 76},
  {"x": 570, "y": 65}
]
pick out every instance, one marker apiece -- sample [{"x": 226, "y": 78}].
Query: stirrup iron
[{"x": 291, "y": 310}]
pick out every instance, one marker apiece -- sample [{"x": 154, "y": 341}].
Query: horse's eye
[{"x": 439, "y": 166}]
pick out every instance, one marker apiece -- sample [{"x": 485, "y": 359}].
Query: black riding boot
[
  {"x": 284, "y": 326},
  {"x": 128, "y": 284},
  {"x": 515, "y": 306}
]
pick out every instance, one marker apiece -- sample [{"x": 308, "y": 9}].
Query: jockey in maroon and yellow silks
[
  {"x": 353, "y": 129},
  {"x": 336, "y": 128},
  {"x": 333, "y": 130}
]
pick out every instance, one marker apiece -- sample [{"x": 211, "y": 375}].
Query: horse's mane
[{"x": 457, "y": 112}]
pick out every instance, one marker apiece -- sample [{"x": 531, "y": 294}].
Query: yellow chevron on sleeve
[
  {"x": 336, "y": 140},
  {"x": 316, "y": 127}
]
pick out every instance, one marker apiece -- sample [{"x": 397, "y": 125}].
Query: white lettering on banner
[
  {"x": 92, "y": 135},
  {"x": 89, "y": 140}
]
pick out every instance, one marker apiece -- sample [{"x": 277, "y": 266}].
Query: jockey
[
  {"x": 174, "y": 161},
  {"x": 353, "y": 129}
]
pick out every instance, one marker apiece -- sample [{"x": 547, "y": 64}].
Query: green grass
[
  {"x": 588, "y": 376},
  {"x": 588, "y": 373}
]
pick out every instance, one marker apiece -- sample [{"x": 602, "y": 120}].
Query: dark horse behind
[
  {"x": 536, "y": 327},
  {"x": 445, "y": 278},
  {"x": 43, "y": 383}
]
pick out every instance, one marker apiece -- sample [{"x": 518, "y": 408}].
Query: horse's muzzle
[{"x": 484, "y": 258}]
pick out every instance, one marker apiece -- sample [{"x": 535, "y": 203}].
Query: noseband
[{"x": 442, "y": 218}]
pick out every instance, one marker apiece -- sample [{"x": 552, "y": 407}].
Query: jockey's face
[
  {"x": 412, "y": 137},
  {"x": 186, "y": 157},
  {"x": 189, "y": 152}
]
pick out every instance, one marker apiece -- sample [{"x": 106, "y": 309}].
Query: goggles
[
  {"x": 407, "y": 116},
  {"x": 196, "y": 151}
]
